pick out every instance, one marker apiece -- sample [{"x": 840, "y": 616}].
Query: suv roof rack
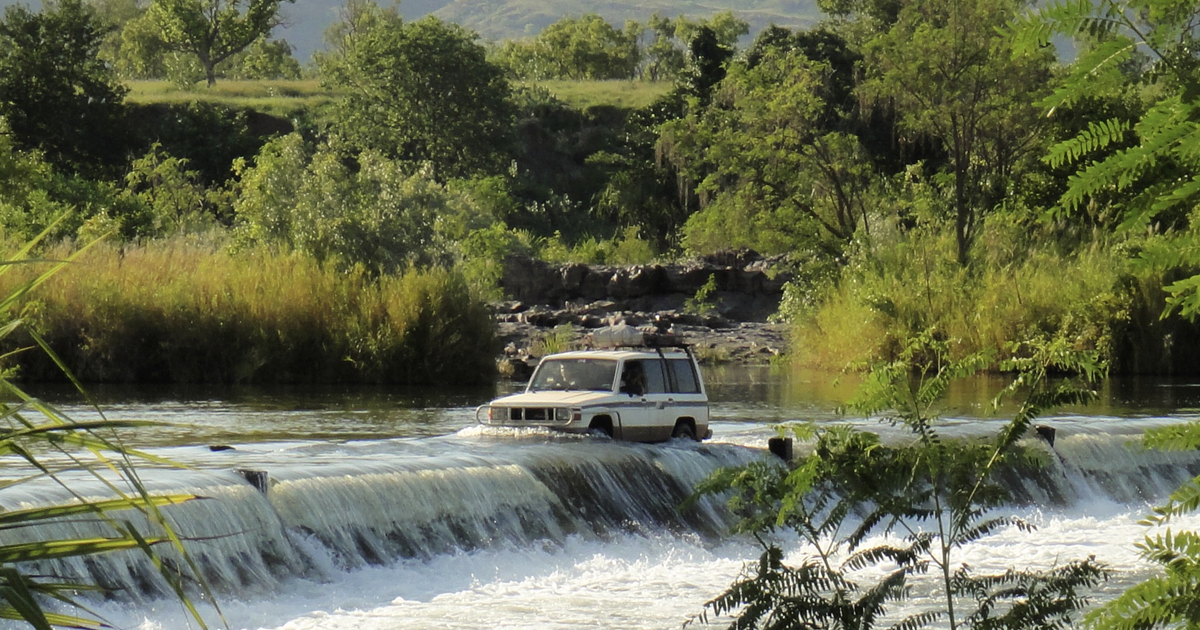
[{"x": 624, "y": 336}]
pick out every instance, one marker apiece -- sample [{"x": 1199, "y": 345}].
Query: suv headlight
[
  {"x": 562, "y": 414},
  {"x": 498, "y": 414}
]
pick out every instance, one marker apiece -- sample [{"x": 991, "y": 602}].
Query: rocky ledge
[{"x": 719, "y": 304}]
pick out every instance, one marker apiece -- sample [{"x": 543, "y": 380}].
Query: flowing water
[{"x": 388, "y": 508}]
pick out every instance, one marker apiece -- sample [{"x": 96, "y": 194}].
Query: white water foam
[{"x": 634, "y": 582}]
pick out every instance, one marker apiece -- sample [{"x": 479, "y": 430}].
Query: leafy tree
[
  {"x": 169, "y": 197},
  {"x": 422, "y": 92},
  {"x": 664, "y": 57},
  {"x": 56, "y": 93},
  {"x": 213, "y": 30},
  {"x": 137, "y": 51},
  {"x": 352, "y": 208},
  {"x": 707, "y": 64},
  {"x": 769, "y": 174},
  {"x": 934, "y": 494},
  {"x": 264, "y": 60},
  {"x": 587, "y": 47},
  {"x": 954, "y": 79},
  {"x": 726, "y": 28}
]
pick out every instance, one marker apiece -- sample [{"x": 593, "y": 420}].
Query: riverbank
[{"x": 721, "y": 305}]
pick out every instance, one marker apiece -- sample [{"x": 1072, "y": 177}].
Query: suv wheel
[
  {"x": 603, "y": 425},
  {"x": 683, "y": 429}
]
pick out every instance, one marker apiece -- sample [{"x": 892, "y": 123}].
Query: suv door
[
  {"x": 687, "y": 399},
  {"x": 644, "y": 386}
]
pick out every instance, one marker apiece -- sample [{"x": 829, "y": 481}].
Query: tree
[
  {"x": 1155, "y": 170},
  {"x": 953, "y": 79},
  {"x": 769, "y": 173},
  {"x": 726, "y": 28},
  {"x": 664, "y": 56},
  {"x": 55, "y": 92},
  {"x": 422, "y": 92},
  {"x": 264, "y": 60},
  {"x": 352, "y": 208},
  {"x": 587, "y": 47},
  {"x": 214, "y": 30}
]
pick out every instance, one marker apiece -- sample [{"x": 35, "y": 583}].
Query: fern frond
[
  {"x": 918, "y": 621},
  {"x": 1116, "y": 172},
  {"x": 1176, "y": 437},
  {"x": 1095, "y": 72},
  {"x": 1097, "y": 136}
]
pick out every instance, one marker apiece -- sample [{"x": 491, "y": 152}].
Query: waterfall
[
  {"x": 313, "y": 520},
  {"x": 323, "y": 512}
]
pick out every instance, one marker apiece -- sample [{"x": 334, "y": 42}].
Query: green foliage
[
  {"x": 169, "y": 197},
  {"x": 893, "y": 288},
  {"x": 213, "y": 30},
  {"x": 703, "y": 302},
  {"x": 210, "y": 136},
  {"x": 625, "y": 248},
  {"x": 954, "y": 79},
  {"x": 770, "y": 177},
  {"x": 1158, "y": 177},
  {"x": 587, "y": 47},
  {"x": 421, "y": 92},
  {"x": 934, "y": 495},
  {"x": 355, "y": 209},
  {"x": 50, "y": 74},
  {"x": 264, "y": 60}
]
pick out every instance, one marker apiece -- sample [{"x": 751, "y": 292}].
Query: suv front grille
[{"x": 532, "y": 414}]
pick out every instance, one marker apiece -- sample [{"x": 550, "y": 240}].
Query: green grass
[
  {"x": 894, "y": 291},
  {"x": 186, "y": 310},
  {"x": 280, "y": 98},
  {"x": 285, "y": 98},
  {"x": 622, "y": 94}
]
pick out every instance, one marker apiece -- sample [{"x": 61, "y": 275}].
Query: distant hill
[{"x": 495, "y": 20}]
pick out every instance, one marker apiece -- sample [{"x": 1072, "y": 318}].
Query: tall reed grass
[
  {"x": 1093, "y": 297},
  {"x": 185, "y": 310},
  {"x": 38, "y": 443}
]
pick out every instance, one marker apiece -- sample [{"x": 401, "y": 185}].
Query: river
[{"x": 389, "y": 508}]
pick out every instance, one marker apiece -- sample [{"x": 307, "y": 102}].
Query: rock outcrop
[
  {"x": 720, "y": 304},
  {"x": 747, "y": 287}
]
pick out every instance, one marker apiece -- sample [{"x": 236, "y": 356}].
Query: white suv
[{"x": 642, "y": 395}]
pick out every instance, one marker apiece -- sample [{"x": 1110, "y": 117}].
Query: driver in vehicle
[{"x": 633, "y": 379}]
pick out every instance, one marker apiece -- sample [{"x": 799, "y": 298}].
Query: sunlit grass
[
  {"x": 901, "y": 288},
  {"x": 281, "y": 98},
  {"x": 186, "y": 310},
  {"x": 622, "y": 94}
]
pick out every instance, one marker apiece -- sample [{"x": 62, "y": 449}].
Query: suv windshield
[{"x": 579, "y": 374}]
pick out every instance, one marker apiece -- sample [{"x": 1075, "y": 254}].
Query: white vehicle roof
[{"x": 618, "y": 354}]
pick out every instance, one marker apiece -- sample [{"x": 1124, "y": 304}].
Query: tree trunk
[{"x": 210, "y": 72}]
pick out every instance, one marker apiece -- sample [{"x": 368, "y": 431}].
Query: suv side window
[
  {"x": 656, "y": 378},
  {"x": 683, "y": 376}
]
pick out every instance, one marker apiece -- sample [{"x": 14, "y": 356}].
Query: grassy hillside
[
  {"x": 278, "y": 98},
  {"x": 508, "y": 19},
  {"x": 286, "y": 98},
  {"x": 496, "y": 20}
]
